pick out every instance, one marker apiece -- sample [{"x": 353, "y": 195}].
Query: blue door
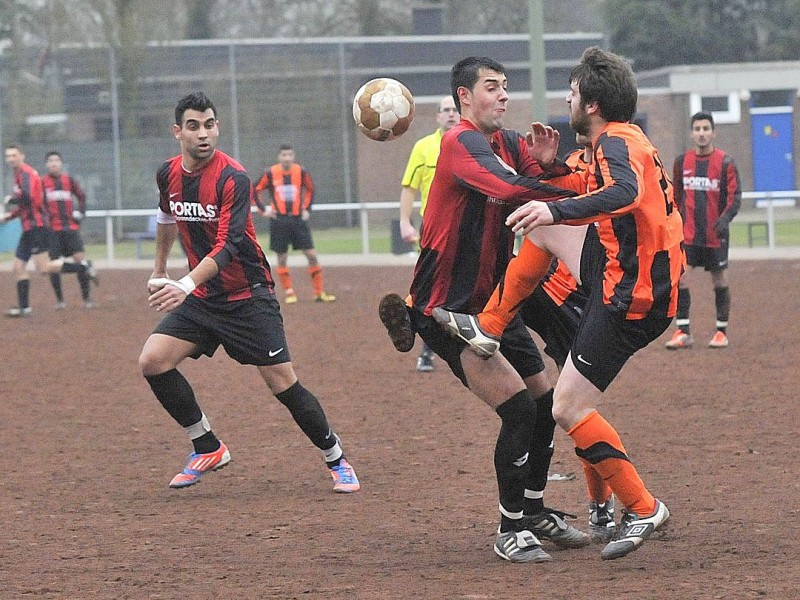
[{"x": 773, "y": 166}]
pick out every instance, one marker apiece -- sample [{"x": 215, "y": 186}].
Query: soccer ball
[{"x": 383, "y": 109}]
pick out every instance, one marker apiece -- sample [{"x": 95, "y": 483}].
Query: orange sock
[
  {"x": 286, "y": 279},
  {"x": 599, "y": 490},
  {"x": 522, "y": 276},
  {"x": 316, "y": 279},
  {"x": 597, "y": 442}
]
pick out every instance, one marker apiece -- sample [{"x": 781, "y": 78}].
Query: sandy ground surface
[{"x": 88, "y": 453}]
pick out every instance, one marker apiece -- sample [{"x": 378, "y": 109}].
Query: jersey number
[{"x": 664, "y": 183}]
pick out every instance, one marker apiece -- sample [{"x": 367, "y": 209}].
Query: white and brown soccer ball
[{"x": 383, "y": 109}]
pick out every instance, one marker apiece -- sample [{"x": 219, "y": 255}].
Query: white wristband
[{"x": 186, "y": 284}]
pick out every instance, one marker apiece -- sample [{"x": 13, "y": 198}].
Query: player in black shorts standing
[
  {"x": 61, "y": 190},
  {"x": 291, "y": 194},
  {"x": 708, "y": 192},
  {"x": 227, "y": 298}
]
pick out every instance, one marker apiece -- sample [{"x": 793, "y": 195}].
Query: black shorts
[
  {"x": 516, "y": 345},
  {"x": 250, "y": 331},
  {"x": 65, "y": 243},
  {"x": 286, "y": 230},
  {"x": 555, "y": 324},
  {"x": 711, "y": 259},
  {"x": 605, "y": 339},
  {"x": 33, "y": 241}
]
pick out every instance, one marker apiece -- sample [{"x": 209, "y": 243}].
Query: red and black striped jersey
[
  {"x": 628, "y": 195},
  {"x": 706, "y": 189},
  {"x": 211, "y": 206},
  {"x": 291, "y": 190},
  {"x": 60, "y": 193},
  {"x": 29, "y": 196},
  {"x": 465, "y": 245}
]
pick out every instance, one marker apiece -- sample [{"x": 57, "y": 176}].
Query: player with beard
[{"x": 622, "y": 238}]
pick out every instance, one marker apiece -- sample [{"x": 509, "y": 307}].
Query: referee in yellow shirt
[{"x": 417, "y": 180}]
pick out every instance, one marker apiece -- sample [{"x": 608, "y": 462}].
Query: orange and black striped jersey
[
  {"x": 291, "y": 190},
  {"x": 559, "y": 283},
  {"x": 626, "y": 192},
  {"x": 575, "y": 160}
]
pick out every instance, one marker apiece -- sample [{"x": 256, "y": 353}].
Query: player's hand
[
  {"x": 169, "y": 294},
  {"x": 269, "y": 212},
  {"x": 529, "y": 216},
  {"x": 77, "y": 215},
  {"x": 721, "y": 228},
  {"x": 408, "y": 233},
  {"x": 542, "y": 143},
  {"x": 305, "y": 215}
]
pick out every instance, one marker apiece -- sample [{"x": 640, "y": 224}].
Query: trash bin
[{"x": 399, "y": 246}]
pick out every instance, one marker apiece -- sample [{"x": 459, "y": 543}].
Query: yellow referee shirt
[{"x": 422, "y": 165}]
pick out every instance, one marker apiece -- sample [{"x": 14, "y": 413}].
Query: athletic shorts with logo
[
  {"x": 65, "y": 243},
  {"x": 711, "y": 259},
  {"x": 31, "y": 242},
  {"x": 250, "y": 331},
  {"x": 285, "y": 230},
  {"x": 605, "y": 339},
  {"x": 516, "y": 345},
  {"x": 555, "y": 324}
]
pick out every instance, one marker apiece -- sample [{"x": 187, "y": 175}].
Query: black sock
[
  {"x": 308, "y": 414},
  {"x": 541, "y": 454},
  {"x": 206, "y": 443},
  {"x": 722, "y": 300},
  {"x": 55, "y": 281},
  {"x": 684, "y": 304},
  {"x": 512, "y": 450},
  {"x": 23, "y": 292},
  {"x": 176, "y": 396},
  {"x": 84, "y": 281},
  {"x": 72, "y": 267}
]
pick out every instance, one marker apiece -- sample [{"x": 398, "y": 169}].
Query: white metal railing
[
  {"x": 362, "y": 207},
  {"x": 770, "y": 201},
  {"x": 766, "y": 200}
]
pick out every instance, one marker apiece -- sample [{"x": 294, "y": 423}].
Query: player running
[{"x": 227, "y": 299}]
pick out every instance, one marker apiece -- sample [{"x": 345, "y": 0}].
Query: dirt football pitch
[{"x": 88, "y": 452}]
